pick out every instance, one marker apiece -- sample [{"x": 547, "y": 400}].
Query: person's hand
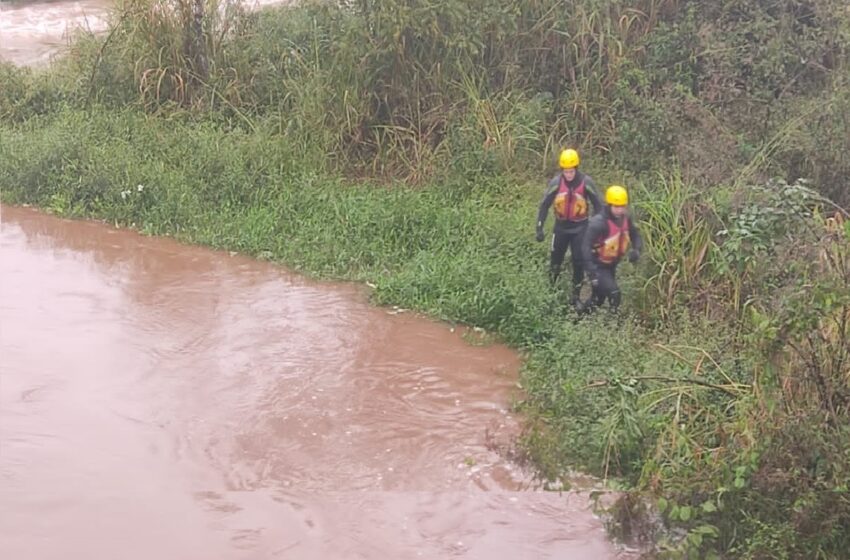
[
  {"x": 594, "y": 279},
  {"x": 539, "y": 235},
  {"x": 633, "y": 256}
]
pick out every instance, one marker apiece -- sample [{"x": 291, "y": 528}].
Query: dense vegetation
[{"x": 406, "y": 143}]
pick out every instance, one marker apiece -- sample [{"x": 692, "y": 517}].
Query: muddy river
[{"x": 33, "y": 32}]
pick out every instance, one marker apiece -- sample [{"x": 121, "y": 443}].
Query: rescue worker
[
  {"x": 568, "y": 193},
  {"x": 610, "y": 236}
]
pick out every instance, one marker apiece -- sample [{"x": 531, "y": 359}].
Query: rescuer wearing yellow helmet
[
  {"x": 610, "y": 236},
  {"x": 569, "y": 194}
]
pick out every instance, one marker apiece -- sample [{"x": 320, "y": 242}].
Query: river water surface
[{"x": 33, "y": 32}]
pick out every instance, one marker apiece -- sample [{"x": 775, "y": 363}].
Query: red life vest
[
  {"x": 614, "y": 245},
  {"x": 570, "y": 204}
]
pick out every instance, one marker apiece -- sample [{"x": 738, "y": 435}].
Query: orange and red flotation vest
[
  {"x": 570, "y": 204},
  {"x": 614, "y": 245}
]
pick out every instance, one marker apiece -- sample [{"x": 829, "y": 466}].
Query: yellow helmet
[
  {"x": 616, "y": 195},
  {"x": 569, "y": 158}
]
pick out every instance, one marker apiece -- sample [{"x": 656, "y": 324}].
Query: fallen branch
[{"x": 690, "y": 380}]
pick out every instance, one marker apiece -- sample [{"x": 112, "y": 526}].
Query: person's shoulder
[
  {"x": 588, "y": 180},
  {"x": 552, "y": 184},
  {"x": 597, "y": 225},
  {"x": 598, "y": 220}
]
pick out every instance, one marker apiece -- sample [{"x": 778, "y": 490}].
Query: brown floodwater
[
  {"x": 32, "y": 32},
  {"x": 159, "y": 400}
]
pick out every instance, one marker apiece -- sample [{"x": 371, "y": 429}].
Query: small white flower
[
  {"x": 140, "y": 188},
  {"x": 125, "y": 194}
]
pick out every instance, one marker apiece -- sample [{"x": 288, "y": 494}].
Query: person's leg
[
  {"x": 578, "y": 265},
  {"x": 560, "y": 242},
  {"x": 597, "y": 295},
  {"x": 603, "y": 288},
  {"x": 607, "y": 287},
  {"x": 615, "y": 296}
]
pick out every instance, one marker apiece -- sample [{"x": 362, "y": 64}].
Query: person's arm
[
  {"x": 595, "y": 229},
  {"x": 593, "y": 194},
  {"x": 636, "y": 241},
  {"x": 545, "y": 204}
]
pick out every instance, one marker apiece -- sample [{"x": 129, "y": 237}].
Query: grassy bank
[{"x": 405, "y": 144}]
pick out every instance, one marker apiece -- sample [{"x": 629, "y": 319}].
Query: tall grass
[
  {"x": 676, "y": 220},
  {"x": 398, "y": 88},
  {"x": 390, "y": 78}
]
